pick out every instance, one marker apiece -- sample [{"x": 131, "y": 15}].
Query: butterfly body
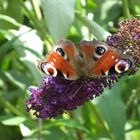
[{"x": 88, "y": 59}]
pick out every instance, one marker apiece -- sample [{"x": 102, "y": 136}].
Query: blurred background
[{"x": 28, "y": 28}]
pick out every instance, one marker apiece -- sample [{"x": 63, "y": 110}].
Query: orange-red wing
[
  {"x": 70, "y": 50},
  {"x": 86, "y": 50},
  {"x": 63, "y": 65},
  {"x": 109, "y": 59}
]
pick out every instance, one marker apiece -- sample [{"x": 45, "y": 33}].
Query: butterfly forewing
[
  {"x": 62, "y": 58},
  {"x": 89, "y": 59}
]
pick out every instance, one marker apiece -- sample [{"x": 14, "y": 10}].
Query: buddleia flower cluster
[{"x": 56, "y": 95}]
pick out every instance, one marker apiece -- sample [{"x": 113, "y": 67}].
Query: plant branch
[
  {"x": 126, "y": 10},
  {"x": 78, "y": 131}
]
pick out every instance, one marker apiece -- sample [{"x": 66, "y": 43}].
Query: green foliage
[
  {"x": 27, "y": 30},
  {"x": 56, "y": 12}
]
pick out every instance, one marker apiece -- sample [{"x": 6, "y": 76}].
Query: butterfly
[{"x": 88, "y": 59}]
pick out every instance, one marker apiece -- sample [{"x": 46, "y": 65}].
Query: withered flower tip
[{"x": 127, "y": 38}]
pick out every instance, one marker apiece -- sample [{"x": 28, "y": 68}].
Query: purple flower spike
[{"x": 57, "y": 95}]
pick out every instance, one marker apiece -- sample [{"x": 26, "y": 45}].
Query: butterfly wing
[
  {"x": 92, "y": 53},
  {"x": 109, "y": 60},
  {"x": 86, "y": 51},
  {"x": 105, "y": 63},
  {"x": 89, "y": 59},
  {"x": 99, "y": 59},
  {"x": 61, "y": 61}
]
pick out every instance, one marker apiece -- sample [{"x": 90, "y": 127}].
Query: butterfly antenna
[
  {"x": 72, "y": 83},
  {"x": 77, "y": 90}
]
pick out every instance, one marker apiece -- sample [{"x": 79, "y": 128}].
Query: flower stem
[
  {"x": 39, "y": 137},
  {"x": 106, "y": 128},
  {"x": 78, "y": 131},
  {"x": 126, "y": 9},
  {"x": 36, "y": 9},
  {"x": 34, "y": 20}
]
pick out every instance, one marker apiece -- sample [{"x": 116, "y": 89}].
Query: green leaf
[
  {"x": 107, "y": 11},
  {"x": 14, "y": 10},
  {"x": 9, "y": 132},
  {"x": 126, "y": 10},
  {"x": 28, "y": 45},
  {"x": 94, "y": 119},
  {"x": 6, "y": 104},
  {"x": 133, "y": 135},
  {"x": 8, "y": 45},
  {"x": 6, "y": 33},
  {"x": 68, "y": 123},
  {"x": 132, "y": 126},
  {"x": 112, "y": 110},
  {"x": 18, "y": 79},
  {"x": 56, "y": 134},
  {"x": 7, "y": 22},
  {"x": 59, "y": 16},
  {"x": 94, "y": 28},
  {"x": 29, "y": 51},
  {"x": 12, "y": 94},
  {"x": 25, "y": 130},
  {"x": 10, "y": 120}
]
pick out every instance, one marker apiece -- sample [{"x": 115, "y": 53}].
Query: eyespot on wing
[
  {"x": 68, "y": 50},
  {"x": 109, "y": 59},
  {"x": 62, "y": 65}
]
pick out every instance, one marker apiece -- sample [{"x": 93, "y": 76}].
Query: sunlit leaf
[
  {"x": 25, "y": 130},
  {"x": 99, "y": 32},
  {"x": 12, "y": 120},
  {"x": 59, "y": 16},
  {"x": 30, "y": 40},
  {"x": 8, "y": 22},
  {"x": 133, "y": 135}
]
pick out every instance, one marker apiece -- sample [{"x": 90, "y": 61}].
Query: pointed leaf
[{"x": 112, "y": 110}]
